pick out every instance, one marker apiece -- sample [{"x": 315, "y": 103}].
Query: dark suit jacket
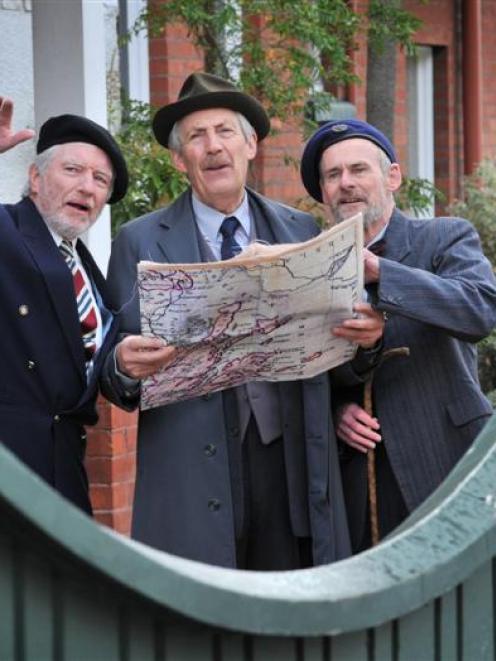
[
  {"x": 440, "y": 294},
  {"x": 178, "y": 473},
  {"x": 44, "y": 396}
]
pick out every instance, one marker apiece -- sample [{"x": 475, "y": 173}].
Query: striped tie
[{"x": 85, "y": 306}]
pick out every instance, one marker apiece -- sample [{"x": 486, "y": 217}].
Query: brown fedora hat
[{"x": 201, "y": 91}]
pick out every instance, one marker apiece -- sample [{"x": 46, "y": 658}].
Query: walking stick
[{"x": 371, "y": 473}]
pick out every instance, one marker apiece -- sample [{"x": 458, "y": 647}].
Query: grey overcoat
[{"x": 183, "y": 498}]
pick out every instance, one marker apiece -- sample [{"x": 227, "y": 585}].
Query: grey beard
[
  {"x": 64, "y": 228},
  {"x": 371, "y": 215}
]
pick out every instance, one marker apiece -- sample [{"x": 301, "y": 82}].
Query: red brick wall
[
  {"x": 172, "y": 58},
  {"x": 440, "y": 30},
  {"x": 489, "y": 77},
  {"x": 111, "y": 465},
  {"x": 112, "y": 444}
]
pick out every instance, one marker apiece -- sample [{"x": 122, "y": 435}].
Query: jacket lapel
[
  {"x": 57, "y": 277},
  {"x": 271, "y": 222},
  {"x": 397, "y": 245},
  {"x": 177, "y": 237}
]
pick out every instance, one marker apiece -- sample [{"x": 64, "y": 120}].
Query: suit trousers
[{"x": 267, "y": 542}]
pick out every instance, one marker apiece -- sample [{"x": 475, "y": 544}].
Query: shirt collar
[
  {"x": 209, "y": 220},
  {"x": 379, "y": 236},
  {"x": 58, "y": 239}
]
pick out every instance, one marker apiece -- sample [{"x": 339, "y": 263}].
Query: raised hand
[{"x": 8, "y": 138}]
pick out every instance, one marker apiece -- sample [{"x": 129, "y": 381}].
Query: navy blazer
[{"x": 44, "y": 396}]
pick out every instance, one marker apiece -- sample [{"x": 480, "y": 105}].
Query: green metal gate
[{"x": 72, "y": 589}]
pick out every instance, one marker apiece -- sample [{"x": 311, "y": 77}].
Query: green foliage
[
  {"x": 487, "y": 366},
  {"x": 286, "y": 46},
  {"x": 417, "y": 195},
  {"x": 387, "y": 21},
  {"x": 479, "y": 206},
  {"x": 153, "y": 180}
]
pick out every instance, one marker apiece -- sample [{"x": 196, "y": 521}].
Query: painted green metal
[{"x": 71, "y": 589}]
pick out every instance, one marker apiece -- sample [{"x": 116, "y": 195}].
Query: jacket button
[
  {"x": 56, "y": 417},
  {"x": 31, "y": 364},
  {"x": 210, "y": 449},
  {"x": 23, "y": 310},
  {"x": 214, "y": 504}
]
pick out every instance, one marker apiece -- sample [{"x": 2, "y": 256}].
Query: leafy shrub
[
  {"x": 479, "y": 206},
  {"x": 416, "y": 195},
  {"x": 153, "y": 180}
]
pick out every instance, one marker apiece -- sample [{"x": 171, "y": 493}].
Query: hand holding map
[{"x": 265, "y": 315}]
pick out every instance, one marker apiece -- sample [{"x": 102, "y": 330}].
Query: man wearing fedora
[
  {"x": 247, "y": 477},
  {"x": 439, "y": 293},
  {"x": 55, "y": 325}
]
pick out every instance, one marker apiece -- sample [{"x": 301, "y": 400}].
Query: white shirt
[{"x": 209, "y": 221}]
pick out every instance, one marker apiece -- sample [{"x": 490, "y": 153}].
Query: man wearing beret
[
  {"x": 247, "y": 477},
  {"x": 55, "y": 324},
  {"x": 439, "y": 293}
]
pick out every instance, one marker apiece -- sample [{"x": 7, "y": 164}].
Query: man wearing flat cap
[
  {"x": 56, "y": 326},
  {"x": 439, "y": 293},
  {"x": 247, "y": 477}
]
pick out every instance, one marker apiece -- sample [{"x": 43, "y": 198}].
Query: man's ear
[
  {"x": 34, "y": 178},
  {"x": 394, "y": 177},
  {"x": 178, "y": 161},
  {"x": 252, "y": 146}
]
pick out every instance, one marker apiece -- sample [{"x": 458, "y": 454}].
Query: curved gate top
[{"x": 72, "y": 589}]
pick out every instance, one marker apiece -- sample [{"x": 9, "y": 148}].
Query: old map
[{"x": 264, "y": 315}]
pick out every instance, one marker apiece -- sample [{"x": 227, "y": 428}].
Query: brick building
[{"x": 445, "y": 122}]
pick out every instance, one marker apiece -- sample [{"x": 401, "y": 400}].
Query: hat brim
[{"x": 248, "y": 106}]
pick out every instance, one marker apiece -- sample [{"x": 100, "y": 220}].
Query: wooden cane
[{"x": 371, "y": 472}]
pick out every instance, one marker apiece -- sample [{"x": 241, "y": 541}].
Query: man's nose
[
  {"x": 213, "y": 142},
  {"x": 347, "y": 179},
  {"x": 87, "y": 183}
]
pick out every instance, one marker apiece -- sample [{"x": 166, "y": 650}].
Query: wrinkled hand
[
  {"x": 357, "y": 428},
  {"x": 139, "y": 357},
  {"x": 8, "y": 138},
  {"x": 365, "y": 330},
  {"x": 371, "y": 266}
]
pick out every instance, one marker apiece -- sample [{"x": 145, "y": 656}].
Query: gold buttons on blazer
[{"x": 23, "y": 310}]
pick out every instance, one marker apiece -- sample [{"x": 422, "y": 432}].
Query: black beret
[
  {"x": 201, "y": 91},
  {"x": 72, "y": 128},
  {"x": 329, "y": 134}
]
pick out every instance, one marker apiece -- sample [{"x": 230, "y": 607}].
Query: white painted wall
[
  {"x": 74, "y": 69},
  {"x": 138, "y": 59},
  {"x": 16, "y": 81},
  {"x": 420, "y": 69}
]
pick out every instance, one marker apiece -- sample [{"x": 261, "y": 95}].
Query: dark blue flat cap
[
  {"x": 73, "y": 128},
  {"x": 329, "y": 134}
]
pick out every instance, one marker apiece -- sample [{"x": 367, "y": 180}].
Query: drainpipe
[{"x": 472, "y": 84}]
